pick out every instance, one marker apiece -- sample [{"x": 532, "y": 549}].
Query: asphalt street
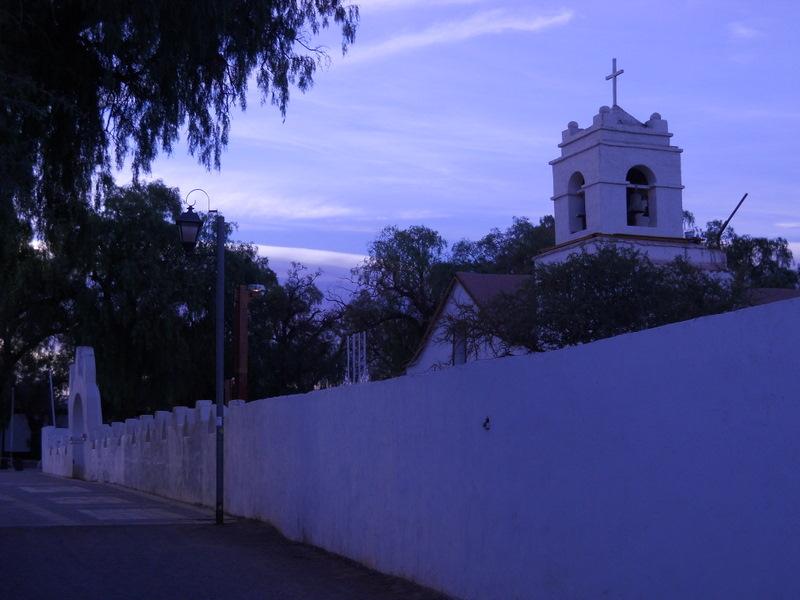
[{"x": 65, "y": 539}]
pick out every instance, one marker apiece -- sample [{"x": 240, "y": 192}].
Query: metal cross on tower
[{"x": 613, "y": 77}]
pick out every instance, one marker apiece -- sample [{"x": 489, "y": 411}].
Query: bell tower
[
  {"x": 619, "y": 181},
  {"x": 618, "y": 176}
]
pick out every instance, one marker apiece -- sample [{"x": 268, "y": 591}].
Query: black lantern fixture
[{"x": 189, "y": 224}]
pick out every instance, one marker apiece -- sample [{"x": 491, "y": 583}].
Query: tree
[
  {"x": 85, "y": 82},
  {"x": 141, "y": 301},
  {"x": 398, "y": 290},
  {"x": 509, "y": 251},
  {"x": 400, "y": 285},
  {"x": 755, "y": 262},
  {"x": 147, "y": 307},
  {"x": 32, "y": 387},
  {"x": 35, "y": 300},
  {"x": 591, "y": 296},
  {"x": 293, "y": 344}
]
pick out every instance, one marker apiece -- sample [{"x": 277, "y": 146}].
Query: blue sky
[{"x": 446, "y": 112}]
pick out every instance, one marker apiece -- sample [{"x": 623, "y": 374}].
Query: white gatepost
[{"x": 85, "y": 413}]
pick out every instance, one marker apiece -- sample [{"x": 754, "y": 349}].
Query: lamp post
[{"x": 189, "y": 224}]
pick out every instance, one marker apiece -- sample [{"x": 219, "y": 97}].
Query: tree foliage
[
  {"x": 86, "y": 84},
  {"x": 35, "y": 292},
  {"x": 398, "y": 290},
  {"x": 400, "y": 285},
  {"x": 591, "y": 296},
  {"x": 293, "y": 343},
  {"x": 148, "y": 309},
  {"x": 754, "y": 262},
  {"x": 509, "y": 251},
  {"x": 142, "y": 300}
]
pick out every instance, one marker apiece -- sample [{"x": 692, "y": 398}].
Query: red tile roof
[{"x": 484, "y": 287}]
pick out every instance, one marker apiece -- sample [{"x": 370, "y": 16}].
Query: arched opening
[
  {"x": 76, "y": 422},
  {"x": 640, "y": 197},
  {"x": 576, "y": 200},
  {"x": 77, "y": 437}
]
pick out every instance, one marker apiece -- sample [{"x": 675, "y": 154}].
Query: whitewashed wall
[
  {"x": 661, "y": 464},
  {"x": 437, "y": 352}
]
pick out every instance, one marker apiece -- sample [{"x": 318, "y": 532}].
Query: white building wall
[
  {"x": 438, "y": 350},
  {"x": 659, "y": 252},
  {"x": 660, "y": 464}
]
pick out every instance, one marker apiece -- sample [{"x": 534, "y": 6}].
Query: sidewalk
[{"x": 63, "y": 538}]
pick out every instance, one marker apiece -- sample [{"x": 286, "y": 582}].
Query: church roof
[{"x": 485, "y": 287}]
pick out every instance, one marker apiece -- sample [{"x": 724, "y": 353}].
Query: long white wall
[{"x": 661, "y": 464}]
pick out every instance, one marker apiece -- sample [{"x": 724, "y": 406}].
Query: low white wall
[
  {"x": 56, "y": 455},
  {"x": 661, "y": 464},
  {"x": 170, "y": 453}
]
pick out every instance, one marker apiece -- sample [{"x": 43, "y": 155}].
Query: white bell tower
[
  {"x": 619, "y": 180},
  {"x": 617, "y": 176}
]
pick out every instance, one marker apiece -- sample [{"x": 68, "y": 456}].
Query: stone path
[
  {"x": 31, "y": 499},
  {"x": 62, "y": 538}
]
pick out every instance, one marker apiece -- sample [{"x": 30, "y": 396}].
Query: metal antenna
[
  {"x": 728, "y": 220},
  {"x": 356, "y": 366}
]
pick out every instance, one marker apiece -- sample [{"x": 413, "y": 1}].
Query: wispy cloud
[
  {"x": 248, "y": 196},
  {"x": 788, "y": 225},
  {"x": 311, "y": 256},
  {"x": 373, "y": 5},
  {"x": 387, "y": 149},
  {"x": 491, "y": 22},
  {"x": 742, "y": 31},
  {"x": 258, "y": 204}
]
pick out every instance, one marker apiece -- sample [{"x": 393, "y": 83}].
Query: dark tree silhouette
[{"x": 86, "y": 84}]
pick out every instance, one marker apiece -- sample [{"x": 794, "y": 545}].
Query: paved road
[{"x": 65, "y": 539}]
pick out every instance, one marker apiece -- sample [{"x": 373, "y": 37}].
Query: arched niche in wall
[
  {"x": 640, "y": 197},
  {"x": 576, "y": 201},
  {"x": 78, "y": 437}
]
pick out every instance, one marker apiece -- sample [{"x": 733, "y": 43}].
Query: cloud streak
[
  {"x": 375, "y": 5},
  {"x": 741, "y": 31},
  {"x": 310, "y": 256},
  {"x": 491, "y": 22}
]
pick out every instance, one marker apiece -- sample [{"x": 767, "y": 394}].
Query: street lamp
[{"x": 189, "y": 224}]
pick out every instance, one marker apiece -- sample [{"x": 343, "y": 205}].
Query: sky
[{"x": 445, "y": 113}]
